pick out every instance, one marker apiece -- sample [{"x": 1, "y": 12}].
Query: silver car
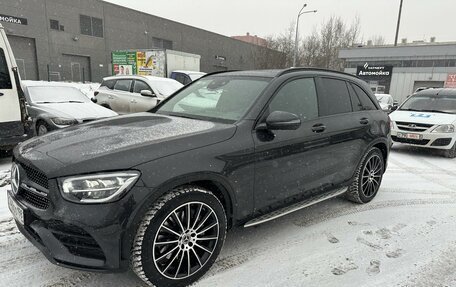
[{"x": 133, "y": 94}]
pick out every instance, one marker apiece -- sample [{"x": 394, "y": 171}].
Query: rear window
[
  {"x": 108, "y": 84},
  {"x": 5, "y": 79},
  {"x": 334, "y": 97}
]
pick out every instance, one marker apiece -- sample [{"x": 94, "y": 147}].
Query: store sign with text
[
  {"x": 13, "y": 19},
  {"x": 377, "y": 76}
]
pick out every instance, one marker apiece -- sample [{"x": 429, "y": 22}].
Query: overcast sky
[{"x": 421, "y": 19}]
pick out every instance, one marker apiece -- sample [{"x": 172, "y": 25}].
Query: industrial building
[
  {"x": 400, "y": 70},
  {"x": 72, "y": 40}
]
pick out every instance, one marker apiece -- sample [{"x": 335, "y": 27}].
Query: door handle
[
  {"x": 318, "y": 128},
  {"x": 110, "y": 97},
  {"x": 364, "y": 121},
  {"x": 1, "y": 94},
  {"x": 133, "y": 102}
]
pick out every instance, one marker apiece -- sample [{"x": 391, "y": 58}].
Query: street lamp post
[{"x": 295, "y": 57}]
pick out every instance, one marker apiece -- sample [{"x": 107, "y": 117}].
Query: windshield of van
[
  {"x": 54, "y": 94},
  {"x": 429, "y": 103},
  {"x": 166, "y": 88},
  {"x": 217, "y": 97}
]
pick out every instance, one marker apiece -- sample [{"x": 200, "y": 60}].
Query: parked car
[
  {"x": 385, "y": 101},
  {"x": 427, "y": 119},
  {"x": 186, "y": 77},
  {"x": 159, "y": 190},
  {"x": 132, "y": 94},
  {"x": 54, "y": 105}
]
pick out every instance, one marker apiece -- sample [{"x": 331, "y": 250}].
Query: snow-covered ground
[{"x": 405, "y": 237}]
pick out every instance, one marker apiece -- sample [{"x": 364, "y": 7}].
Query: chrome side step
[{"x": 295, "y": 207}]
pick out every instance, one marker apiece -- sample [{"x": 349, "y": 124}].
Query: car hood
[
  {"x": 119, "y": 143},
  {"x": 79, "y": 111},
  {"x": 422, "y": 117}
]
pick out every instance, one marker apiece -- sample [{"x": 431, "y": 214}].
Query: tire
[
  {"x": 368, "y": 177},
  {"x": 41, "y": 128},
  {"x": 163, "y": 265},
  {"x": 450, "y": 153}
]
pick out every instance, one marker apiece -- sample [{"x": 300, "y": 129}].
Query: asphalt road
[{"x": 405, "y": 237}]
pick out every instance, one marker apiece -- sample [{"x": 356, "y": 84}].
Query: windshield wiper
[{"x": 412, "y": 110}]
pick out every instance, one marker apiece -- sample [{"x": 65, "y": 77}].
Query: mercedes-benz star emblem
[{"x": 15, "y": 178}]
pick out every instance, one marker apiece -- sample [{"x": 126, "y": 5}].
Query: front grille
[
  {"x": 76, "y": 240},
  {"x": 441, "y": 142},
  {"x": 410, "y": 141},
  {"x": 34, "y": 199},
  {"x": 35, "y": 176},
  {"x": 413, "y": 127}
]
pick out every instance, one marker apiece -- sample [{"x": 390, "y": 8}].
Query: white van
[{"x": 14, "y": 121}]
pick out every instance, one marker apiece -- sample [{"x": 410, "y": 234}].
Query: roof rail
[
  {"x": 303, "y": 69},
  {"x": 219, "y": 72}
]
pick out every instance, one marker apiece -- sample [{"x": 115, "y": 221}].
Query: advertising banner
[
  {"x": 151, "y": 63},
  {"x": 451, "y": 81},
  {"x": 124, "y": 63},
  {"x": 377, "y": 76}
]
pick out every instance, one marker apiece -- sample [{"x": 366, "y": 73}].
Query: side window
[
  {"x": 187, "y": 80},
  {"x": 364, "y": 98},
  {"x": 5, "y": 79},
  {"x": 334, "y": 97},
  {"x": 180, "y": 78},
  {"x": 123, "y": 85},
  {"x": 356, "y": 103},
  {"x": 298, "y": 97},
  {"x": 109, "y": 84},
  {"x": 139, "y": 86}
]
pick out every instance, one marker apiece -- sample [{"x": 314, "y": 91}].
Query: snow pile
[{"x": 4, "y": 177}]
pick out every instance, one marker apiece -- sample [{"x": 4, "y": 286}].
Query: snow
[{"x": 405, "y": 237}]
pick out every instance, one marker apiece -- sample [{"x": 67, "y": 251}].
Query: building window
[
  {"x": 159, "y": 43},
  {"x": 91, "y": 26},
  {"x": 54, "y": 24}
]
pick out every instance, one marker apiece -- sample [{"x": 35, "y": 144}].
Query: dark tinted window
[
  {"x": 334, "y": 97},
  {"x": 86, "y": 25},
  {"x": 5, "y": 79},
  {"x": 54, "y": 24},
  {"x": 108, "y": 84},
  {"x": 123, "y": 85},
  {"x": 97, "y": 27},
  {"x": 356, "y": 103},
  {"x": 298, "y": 97},
  {"x": 139, "y": 86},
  {"x": 364, "y": 98}
]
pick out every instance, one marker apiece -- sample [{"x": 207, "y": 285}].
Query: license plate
[
  {"x": 410, "y": 136},
  {"x": 16, "y": 210}
]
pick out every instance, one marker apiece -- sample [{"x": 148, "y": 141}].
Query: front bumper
[
  {"x": 428, "y": 139},
  {"x": 85, "y": 237}
]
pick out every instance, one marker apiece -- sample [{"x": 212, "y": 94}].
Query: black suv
[{"x": 157, "y": 191}]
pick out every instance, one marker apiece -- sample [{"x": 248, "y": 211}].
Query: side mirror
[
  {"x": 94, "y": 100},
  {"x": 279, "y": 120},
  {"x": 393, "y": 108},
  {"x": 147, "y": 93}
]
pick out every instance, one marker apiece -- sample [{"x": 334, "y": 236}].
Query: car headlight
[
  {"x": 64, "y": 122},
  {"x": 391, "y": 125},
  {"x": 98, "y": 188},
  {"x": 444, "y": 129}
]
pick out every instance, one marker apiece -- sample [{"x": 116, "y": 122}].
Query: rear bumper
[{"x": 429, "y": 140}]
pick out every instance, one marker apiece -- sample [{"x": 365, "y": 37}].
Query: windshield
[
  {"x": 53, "y": 94},
  {"x": 167, "y": 88},
  {"x": 218, "y": 97},
  {"x": 195, "y": 77},
  {"x": 428, "y": 103}
]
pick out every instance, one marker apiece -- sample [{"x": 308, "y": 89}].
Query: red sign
[{"x": 451, "y": 81}]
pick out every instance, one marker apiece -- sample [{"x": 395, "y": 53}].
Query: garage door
[
  {"x": 76, "y": 68},
  {"x": 24, "y": 50}
]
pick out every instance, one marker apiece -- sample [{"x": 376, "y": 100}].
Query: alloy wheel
[
  {"x": 186, "y": 240},
  {"x": 372, "y": 175}
]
